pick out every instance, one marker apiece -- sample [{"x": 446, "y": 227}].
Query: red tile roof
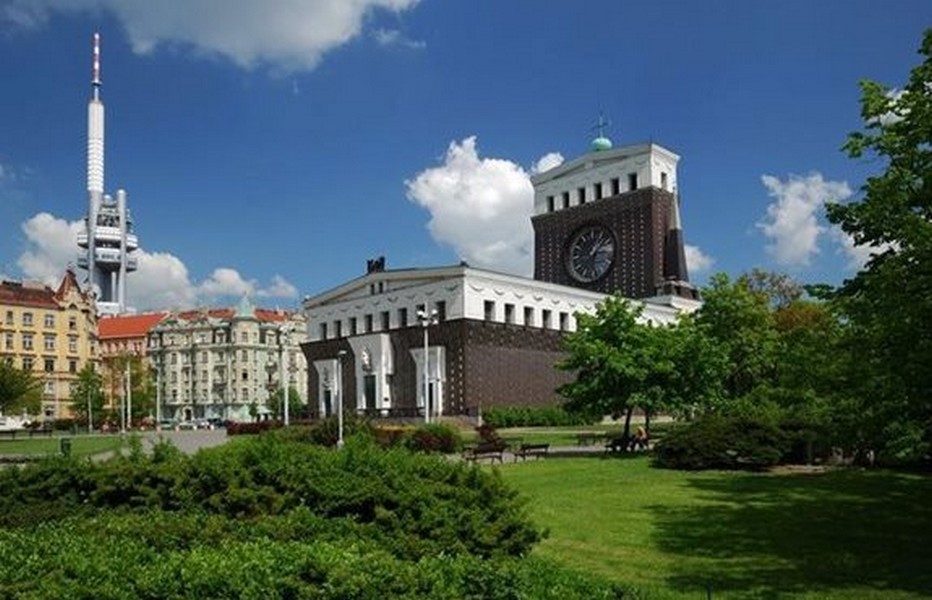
[
  {"x": 27, "y": 294},
  {"x": 127, "y": 326}
]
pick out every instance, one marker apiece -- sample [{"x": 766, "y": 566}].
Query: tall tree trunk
[{"x": 628, "y": 412}]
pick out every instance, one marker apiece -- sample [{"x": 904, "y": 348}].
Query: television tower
[{"x": 108, "y": 238}]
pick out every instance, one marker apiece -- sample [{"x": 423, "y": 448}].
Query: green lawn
[
  {"x": 80, "y": 445},
  {"x": 840, "y": 534}
]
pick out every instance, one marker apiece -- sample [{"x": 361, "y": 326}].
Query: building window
[
  {"x": 49, "y": 342},
  {"x": 244, "y": 396},
  {"x": 8, "y": 341},
  {"x": 73, "y": 344},
  {"x": 368, "y": 323},
  {"x": 632, "y": 181},
  {"x": 545, "y": 319},
  {"x": 386, "y": 320},
  {"x": 72, "y": 366},
  {"x": 244, "y": 355},
  {"x": 338, "y": 328},
  {"x": 663, "y": 180},
  {"x": 27, "y": 341},
  {"x": 616, "y": 186},
  {"x": 352, "y": 326},
  {"x": 489, "y": 307},
  {"x": 550, "y": 208},
  {"x": 402, "y": 317},
  {"x": 581, "y": 195},
  {"x": 49, "y": 365},
  {"x": 564, "y": 321},
  {"x": 566, "y": 199},
  {"x": 509, "y": 313},
  {"x": 441, "y": 311},
  {"x": 49, "y": 387},
  {"x": 27, "y": 363},
  {"x": 323, "y": 331},
  {"x": 49, "y": 320},
  {"x": 9, "y": 317},
  {"x": 72, "y": 324},
  {"x": 529, "y": 316},
  {"x": 27, "y": 319},
  {"x": 598, "y": 191}
]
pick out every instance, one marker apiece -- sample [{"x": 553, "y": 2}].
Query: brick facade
[
  {"x": 487, "y": 364},
  {"x": 637, "y": 219}
]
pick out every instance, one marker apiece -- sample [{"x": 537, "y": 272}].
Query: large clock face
[{"x": 590, "y": 253}]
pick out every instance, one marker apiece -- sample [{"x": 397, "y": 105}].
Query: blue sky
[{"x": 271, "y": 148}]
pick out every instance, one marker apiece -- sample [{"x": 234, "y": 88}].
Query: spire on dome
[{"x": 601, "y": 142}]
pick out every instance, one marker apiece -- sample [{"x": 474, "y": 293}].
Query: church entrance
[{"x": 369, "y": 391}]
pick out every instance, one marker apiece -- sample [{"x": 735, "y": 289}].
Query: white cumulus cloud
[
  {"x": 286, "y": 35},
  {"x": 161, "y": 281},
  {"x": 792, "y": 223},
  {"x": 547, "y": 162},
  {"x": 479, "y": 206},
  {"x": 696, "y": 260},
  {"x": 857, "y": 255},
  {"x": 393, "y": 37}
]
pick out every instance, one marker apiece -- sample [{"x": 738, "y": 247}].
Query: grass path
[
  {"x": 80, "y": 445},
  {"x": 841, "y": 534}
]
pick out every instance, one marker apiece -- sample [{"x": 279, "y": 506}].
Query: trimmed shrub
[
  {"x": 391, "y": 436},
  {"x": 434, "y": 437},
  {"x": 722, "y": 442},
  {"x": 251, "y": 427},
  {"x": 165, "y": 555},
  {"x": 526, "y": 416}
]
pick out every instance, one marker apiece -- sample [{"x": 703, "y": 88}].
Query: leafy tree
[
  {"x": 19, "y": 389},
  {"x": 741, "y": 321},
  {"x": 88, "y": 395},
  {"x": 275, "y": 402},
  {"x": 622, "y": 364},
  {"x": 889, "y": 303}
]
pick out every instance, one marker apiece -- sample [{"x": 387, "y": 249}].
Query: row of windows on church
[
  {"x": 371, "y": 323},
  {"x": 598, "y": 191},
  {"x": 529, "y": 316}
]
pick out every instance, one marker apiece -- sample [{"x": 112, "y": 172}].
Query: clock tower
[{"x": 608, "y": 222}]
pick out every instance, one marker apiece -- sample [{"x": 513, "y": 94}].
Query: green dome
[{"x": 601, "y": 143}]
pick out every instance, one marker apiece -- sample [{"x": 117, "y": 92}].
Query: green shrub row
[
  {"x": 168, "y": 555},
  {"x": 526, "y": 416},
  {"x": 419, "y": 505},
  {"x": 742, "y": 441}
]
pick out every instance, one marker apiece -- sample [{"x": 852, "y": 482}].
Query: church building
[{"x": 455, "y": 340}]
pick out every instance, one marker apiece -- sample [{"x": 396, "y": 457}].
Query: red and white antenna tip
[{"x": 96, "y": 59}]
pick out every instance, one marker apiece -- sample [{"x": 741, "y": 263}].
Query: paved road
[{"x": 188, "y": 442}]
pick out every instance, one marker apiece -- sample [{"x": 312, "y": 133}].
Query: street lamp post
[
  {"x": 427, "y": 319},
  {"x": 270, "y": 368},
  {"x": 340, "y": 355},
  {"x": 284, "y": 338}
]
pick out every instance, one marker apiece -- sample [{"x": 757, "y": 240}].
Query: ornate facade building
[
  {"x": 226, "y": 363},
  {"x": 51, "y": 333}
]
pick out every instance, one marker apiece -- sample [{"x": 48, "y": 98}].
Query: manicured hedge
[
  {"x": 170, "y": 555},
  {"x": 722, "y": 442},
  {"x": 419, "y": 505},
  {"x": 525, "y": 416}
]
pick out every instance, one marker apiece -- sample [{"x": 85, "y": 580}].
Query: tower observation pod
[{"x": 108, "y": 240}]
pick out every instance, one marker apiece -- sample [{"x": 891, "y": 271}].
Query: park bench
[
  {"x": 31, "y": 433},
  {"x": 536, "y": 450},
  {"x": 491, "y": 450},
  {"x": 588, "y": 438}
]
